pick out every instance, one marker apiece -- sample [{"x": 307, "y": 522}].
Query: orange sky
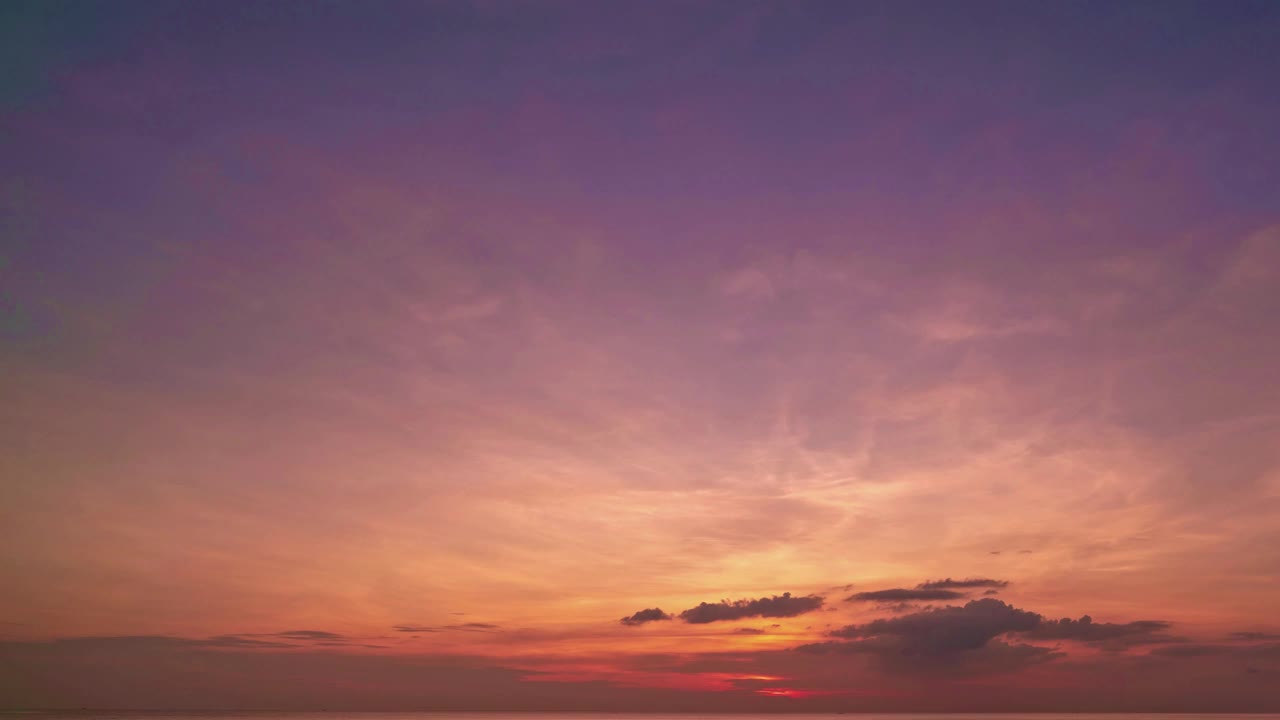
[{"x": 410, "y": 406}]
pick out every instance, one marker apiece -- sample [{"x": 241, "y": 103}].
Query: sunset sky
[{"x": 640, "y": 355}]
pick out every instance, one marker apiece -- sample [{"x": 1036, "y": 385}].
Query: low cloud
[
  {"x": 1252, "y": 635},
  {"x": 949, "y": 629},
  {"x": 161, "y": 643},
  {"x": 748, "y": 631},
  {"x": 1267, "y": 652},
  {"x": 969, "y": 637},
  {"x": 902, "y": 607},
  {"x": 308, "y": 635},
  {"x": 895, "y": 655},
  {"x": 467, "y": 627},
  {"x": 956, "y": 640},
  {"x": 641, "y": 617},
  {"x": 1192, "y": 650},
  {"x": 1116, "y": 635},
  {"x": 239, "y": 641},
  {"x": 967, "y": 583},
  {"x": 904, "y": 595},
  {"x": 342, "y": 643},
  {"x": 1270, "y": 651},
  {"x": 474, "y": 627},
  {"x": 784, "y": 605},
  {"x": 243, "y": 642}
]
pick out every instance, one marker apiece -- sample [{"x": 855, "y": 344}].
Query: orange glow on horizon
[{"x": 641, "y": 355}]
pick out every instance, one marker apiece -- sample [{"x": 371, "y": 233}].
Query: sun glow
[{"x": 783, "y": 692}]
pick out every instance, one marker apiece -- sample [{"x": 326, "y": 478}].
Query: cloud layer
[
  {"x": 641, "y": 617},
  {"x": 777, "y": 606},
  {"x": 904, "y": 594},
  {"x": 949, "y": 629},
  {"x": 965, "y": 584}
]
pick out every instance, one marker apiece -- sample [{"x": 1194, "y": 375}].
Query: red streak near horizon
[
  {"x": 785, "y": 692},
  {"x": 798, "y": 693}
]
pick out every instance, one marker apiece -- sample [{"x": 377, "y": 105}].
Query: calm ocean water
[{"x": 342, "y": 715}]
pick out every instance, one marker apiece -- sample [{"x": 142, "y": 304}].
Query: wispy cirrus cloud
[{"x": 631, "y": 335}]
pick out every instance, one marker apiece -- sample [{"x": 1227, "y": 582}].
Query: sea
[{"x": 345, "y": 715}]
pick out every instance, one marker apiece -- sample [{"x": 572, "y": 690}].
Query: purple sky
[{"x": 387, "y": 355}]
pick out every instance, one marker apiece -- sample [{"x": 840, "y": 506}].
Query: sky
[{"x": 688, "y": 356}]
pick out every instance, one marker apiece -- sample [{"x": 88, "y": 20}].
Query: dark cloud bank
[
  {"x": 465, "y": 627},
  {"x": 946, "y": 589},
  {"x": 967, "y": 636},
  {"x": 947, "y": 629},
  {"x": 968, "y": 583},
  {"x": 903, "y": 595},
  {"x": 1111, "y": 635},
  {"x": 945, "y": 648},
  {"x": 643, "y": 616},
  {"x": 784, "y": 605}
]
